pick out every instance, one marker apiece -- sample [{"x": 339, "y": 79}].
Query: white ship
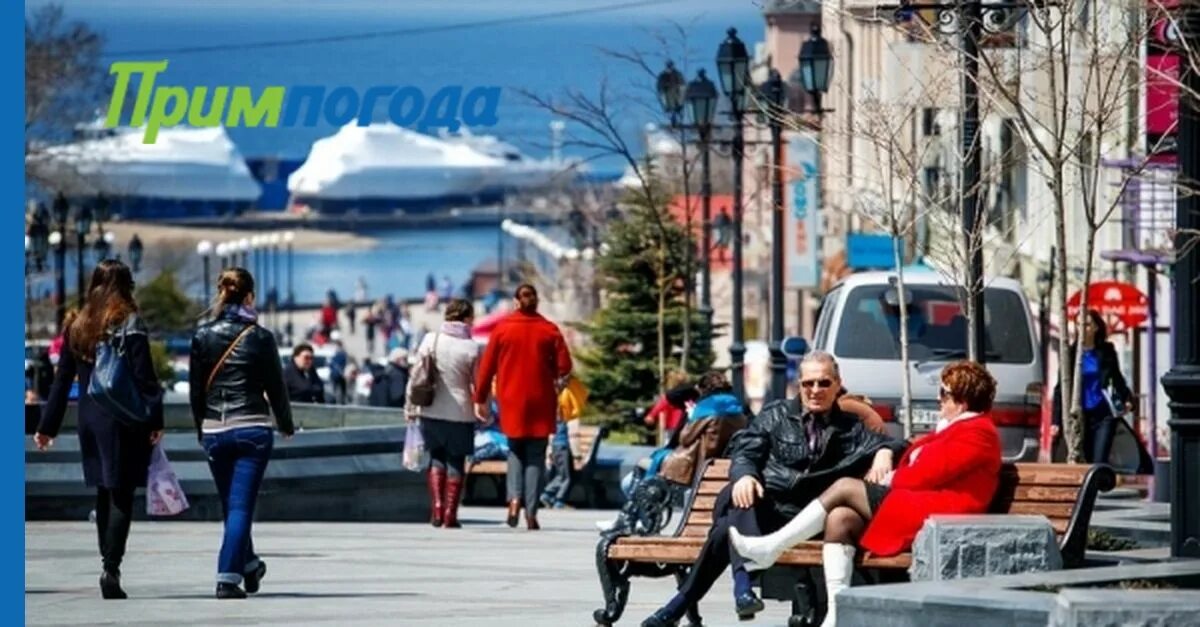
[{"x": 185, "y": 172}]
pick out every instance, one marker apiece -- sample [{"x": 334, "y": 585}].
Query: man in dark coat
[
  {"x": 388, "y": 389},
  {"x": 785, "y": 458},
  {"x": 303, "y": 384}
]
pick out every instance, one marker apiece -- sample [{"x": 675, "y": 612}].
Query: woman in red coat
[
  {"x": 953, "y": 470},
  {"x": 527, "y": 356}
]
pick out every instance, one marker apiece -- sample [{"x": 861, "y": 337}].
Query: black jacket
[
  {"x": 774, "y": 449},
  {"x": 389, "y": 387},
  {"x": 1110, "y": 378},
  {"x": 303, "y": 387},
  {"x": 251, "y": 370}
]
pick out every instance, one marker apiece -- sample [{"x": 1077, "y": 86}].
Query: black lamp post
[
  {"x": 291, "y": 297},
  {"x": 733, "y": 65},
  {"x": 701, "y": 96},
  {"x": 62, "y": 212},
  {"x": 1182, "y": 382},
  {"x": 816, "y": 66},
  {"x": 773, "y": 101},
  {"x": 136, "y": 249},
  {"x": 83, "y": 226}
]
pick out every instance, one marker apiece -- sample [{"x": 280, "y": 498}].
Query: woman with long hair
[
  {"x": 115, "y": 455},
  {"x": 236, "y": 387},
  {"x": 1100, "y": 376},
  {"x": 953, "y": 470},
  {"x": 448, "y": 425}
]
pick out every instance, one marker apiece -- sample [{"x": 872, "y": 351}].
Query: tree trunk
[{"x": 906, "y": 374}]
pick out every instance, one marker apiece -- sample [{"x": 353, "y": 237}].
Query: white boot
[
  {"x": 761, "y": 552},
  {"x": 837, "y": 560}
]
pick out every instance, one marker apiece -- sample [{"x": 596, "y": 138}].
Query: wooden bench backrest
[{"x": 1050, "y": 490}]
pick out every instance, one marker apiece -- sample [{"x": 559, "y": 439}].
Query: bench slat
[
  {"x": 1046, "y": 494},
  {"x": 704, "y": 503},
  {"x": 695, "y": 531},
  {"x": 686, "y": 550},
  {"x": 1049, "y": 510},
  {"x": 710, "y": 487},
  {"x": 1046, "y": 474}
]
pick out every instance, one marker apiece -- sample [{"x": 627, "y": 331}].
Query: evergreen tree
[{"x": 641, "y": 267}]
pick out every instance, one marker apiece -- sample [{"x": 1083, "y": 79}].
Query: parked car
[{"x": 859, "y": 323}]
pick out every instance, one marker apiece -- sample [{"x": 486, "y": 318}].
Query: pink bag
[{"x": 164, "y": 496}]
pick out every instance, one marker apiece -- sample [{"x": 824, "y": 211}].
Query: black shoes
[
  {"x": 660, "y": 619},
  {"x": 110, "y": 585},
  {"x": 748, "y": 605},
  {"x": 254, "y": 579},
  {"x": 229, "y": 591}
]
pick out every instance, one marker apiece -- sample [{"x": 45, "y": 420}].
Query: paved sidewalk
[{"x": 348, "y": 574}]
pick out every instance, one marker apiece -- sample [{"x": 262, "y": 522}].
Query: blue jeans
[{"x": 238, "y": 459}]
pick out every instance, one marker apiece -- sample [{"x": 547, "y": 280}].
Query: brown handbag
[{"x": 424, "y": 384}]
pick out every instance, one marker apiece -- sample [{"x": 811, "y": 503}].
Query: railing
[{"x": 178, "y": 416}]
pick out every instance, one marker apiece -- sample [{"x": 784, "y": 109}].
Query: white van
[{"x": 859, "y": 323}]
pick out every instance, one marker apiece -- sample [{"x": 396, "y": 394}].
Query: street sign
[
  {"x": 801, "y": 225},
  {"x": 1122, "y": 305}
]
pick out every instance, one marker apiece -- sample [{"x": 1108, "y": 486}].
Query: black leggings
[
  {"x": 448, "y": 444},
  {"x": 114, "y": 513},
  {"x": 453, "y": 464}
]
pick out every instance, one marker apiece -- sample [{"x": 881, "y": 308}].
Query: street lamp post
[
  {"x": 83, "y": 226},
  {"x": 733, "y": 63},
  {"x": 701, "y": 97},
  {"x": 58, "y": 239},
  {"x": 135, "y": 253},
  {"x": 204, "y": 248},
  {"x": 291, "y": 298},
  {"x": 774, "y": 100},
  {"x": 1182, "y": 382}
]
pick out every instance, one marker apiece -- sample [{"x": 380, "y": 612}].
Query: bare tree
[{"x": 65, "y": 81}]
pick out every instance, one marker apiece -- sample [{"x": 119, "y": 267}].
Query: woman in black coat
[{"x": 116, "y": 456}]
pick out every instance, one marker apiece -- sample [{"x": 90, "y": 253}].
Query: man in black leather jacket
[{"x": 785, "y": 458}]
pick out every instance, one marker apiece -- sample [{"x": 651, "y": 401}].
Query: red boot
[
  {"x": 437, "y": 481},
  {"x": 454, "y": 488}
]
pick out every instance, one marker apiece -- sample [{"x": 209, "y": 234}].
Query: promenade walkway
[{"x": 348, "y": 574}]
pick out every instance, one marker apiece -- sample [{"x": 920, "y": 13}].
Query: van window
[
  {"x": 825, "y": 318},
  {"x": 937, "y": 325}
]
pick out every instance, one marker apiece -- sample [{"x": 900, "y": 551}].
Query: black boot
[
  {"x": 110, "y": 585},
  {"x": 254, "y": 579},
  {"x": 229, "y": 591}
]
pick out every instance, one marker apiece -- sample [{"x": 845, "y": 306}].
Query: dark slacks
[{"x": 717, "y": 552}]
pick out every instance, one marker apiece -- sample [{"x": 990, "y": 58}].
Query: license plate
[{"x": 925, "y": 417}]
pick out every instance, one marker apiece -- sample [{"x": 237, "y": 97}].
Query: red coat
[
  {"x": 525, "y": 354},
  {"x": 955, "y": 471}
]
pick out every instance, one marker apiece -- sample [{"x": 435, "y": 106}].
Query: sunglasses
[
  {"x": 943, "y": 394},
  {"x": 820, "y": 384}
]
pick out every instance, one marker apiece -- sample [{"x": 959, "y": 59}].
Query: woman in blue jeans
[{"x": 236, "y": 387}]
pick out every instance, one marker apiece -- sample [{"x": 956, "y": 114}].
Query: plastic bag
[
  {"x": 415, "y": 456},
  {"x": 164, "y": 495}
]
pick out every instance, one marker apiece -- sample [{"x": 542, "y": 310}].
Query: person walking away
[
  {"x": 953, "y": 470},
  {"x": 351, "y": 314},
  {"x": 388, "y": 387},
  {"x": 1101, "y": 381},
  {"x": 337, "y": 371},
  {"x": 115, "y": 454},
  {"x": 372, "y": 323},
  {"x": 564, "y": 447},
  {"x": 327, "y": 319},
  {"x": 237, "y": 396},
  {"x": 303, "y": 384},
  {"x": 528, "y": 359},
  {"x": 448, "y": 424}
]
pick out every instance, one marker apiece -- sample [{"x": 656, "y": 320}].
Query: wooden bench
[
  {"x": 1065, "y": 494},
  {"x": 588, "y": 438}
]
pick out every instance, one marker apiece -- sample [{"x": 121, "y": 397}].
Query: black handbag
[{"x": 112, "y": 384}]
